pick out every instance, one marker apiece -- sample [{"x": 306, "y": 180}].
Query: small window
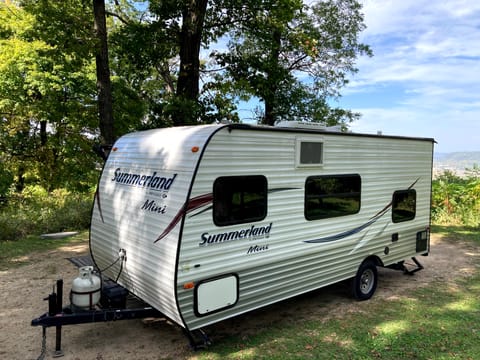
[
  {"x": 332, "y": 196},
  {"x": 309, "y": 153},
  {"x": 404, "y": 205},
  {"x": 239, "y": 199}
]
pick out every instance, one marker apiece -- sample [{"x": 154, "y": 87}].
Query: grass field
[{"x": 433, "y": 323}]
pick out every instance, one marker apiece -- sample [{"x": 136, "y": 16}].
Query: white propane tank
[{"x": 85, "y": 293}]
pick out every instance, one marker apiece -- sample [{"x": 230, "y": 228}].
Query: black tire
[{"x": 365, "y": 282}]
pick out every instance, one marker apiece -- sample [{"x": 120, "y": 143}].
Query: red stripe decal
[{"x": 189, "y": 206}]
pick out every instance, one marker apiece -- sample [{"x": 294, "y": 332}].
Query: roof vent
[{"x": 308, "y": 125}]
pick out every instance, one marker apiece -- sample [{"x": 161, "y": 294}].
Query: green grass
[
  {"x": 18, "y": 252},
  {"x": 458, "y": 233},
  {"x": 434, "y": 323},
  {"x": 441, "y": 321}
]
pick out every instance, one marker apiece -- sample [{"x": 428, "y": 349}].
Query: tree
[
  {"x": 167, "y": 40},
  {"x": 144, "y": 48},
  {"x": 294, "y": 57},
  {"x": 46, "y": 94},
  {"x": 49, "y": 118},
  {"x": 193, "y": 18},
  {"x": 291, "y": 56},
  {"x": 104, "y": 88},
  {"x": 22, "y": 84}
]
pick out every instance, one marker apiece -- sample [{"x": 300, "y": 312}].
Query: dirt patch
[{"x": 22, "y": 290}]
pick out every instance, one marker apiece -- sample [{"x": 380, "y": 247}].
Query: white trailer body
[{"x": 219, "y": 220}]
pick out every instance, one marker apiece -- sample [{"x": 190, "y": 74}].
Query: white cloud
[
  {"x": 427, "y": 53},
  {"x": 422, "y": 32}
]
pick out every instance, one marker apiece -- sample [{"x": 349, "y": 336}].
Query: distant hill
[{"x": 455, "y": 161}]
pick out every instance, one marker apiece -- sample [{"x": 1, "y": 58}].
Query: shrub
[
  {"x": 456, "y": 200},
  {"x": 36, "y": 211}
]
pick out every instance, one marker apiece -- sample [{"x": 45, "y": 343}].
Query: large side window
[
  {"x": 404, "y": 205},
  {"x": 239, "y": 199},
  {"x": 332, "y": 196}
]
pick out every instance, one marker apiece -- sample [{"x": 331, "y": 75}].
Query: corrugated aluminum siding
[
  {"x": 149, "y": 271},
  {"x": 291, "y": 266}
]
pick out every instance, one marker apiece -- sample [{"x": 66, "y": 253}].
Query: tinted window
[
  {"x": 239, "y": 199},
  {"x": 311, "y": 152},
  {"x": 332, "y": 196},
  {"x": 404, "y": 205}
]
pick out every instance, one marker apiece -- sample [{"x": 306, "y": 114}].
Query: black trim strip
[{"x": 182, "y": 222}]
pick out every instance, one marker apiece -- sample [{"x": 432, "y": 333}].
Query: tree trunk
[
  {"x": 269, "y": 118},
  {"x": 190, "y": 42},
  {"x": 43, "y": 133},
  {"x": 104, "y": 89},
  {"x": 20, "y": 183},
  {"x": 273, "y": 79}
]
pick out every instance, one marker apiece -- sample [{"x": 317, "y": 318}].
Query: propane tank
[{"x": 85, "y": 293}]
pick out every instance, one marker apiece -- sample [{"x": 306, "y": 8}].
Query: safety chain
[{"x": 44, "y": 343}]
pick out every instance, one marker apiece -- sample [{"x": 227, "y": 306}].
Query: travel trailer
[{"x": 204, "y": 223}]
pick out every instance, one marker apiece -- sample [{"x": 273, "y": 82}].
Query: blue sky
[{"x": 424, "y": 77}]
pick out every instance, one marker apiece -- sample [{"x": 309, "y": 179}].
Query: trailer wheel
[{"x": 364, "y": 283}]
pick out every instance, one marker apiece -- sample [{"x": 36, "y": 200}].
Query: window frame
[
  {"x": 228, "y": 204},
  {"x": 357, "y": 196},
  {"x": 298, "y": 151},
  {"x": 400, "y": 218}
]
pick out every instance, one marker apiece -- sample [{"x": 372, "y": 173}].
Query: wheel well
[{"x": 375, "y": 259}]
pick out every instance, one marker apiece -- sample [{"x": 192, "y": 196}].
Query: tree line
[{"x": 79, "y": 72}]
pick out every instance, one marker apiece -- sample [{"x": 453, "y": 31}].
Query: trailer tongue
[{"x": 112, "y": 294}]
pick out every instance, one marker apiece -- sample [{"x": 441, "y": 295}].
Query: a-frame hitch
[{"x": 59, "y": 316}]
